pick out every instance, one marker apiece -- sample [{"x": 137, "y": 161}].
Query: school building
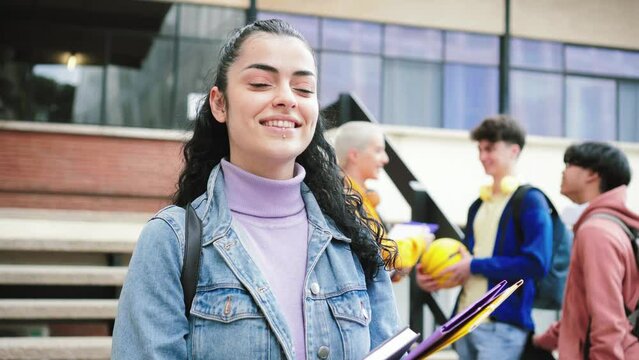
[{"x": 96, "y": 97}]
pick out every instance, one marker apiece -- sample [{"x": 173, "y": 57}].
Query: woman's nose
[{"x": 285, "y": 98}]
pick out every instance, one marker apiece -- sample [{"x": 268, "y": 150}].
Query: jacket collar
[{"x": 212, "y": 208}]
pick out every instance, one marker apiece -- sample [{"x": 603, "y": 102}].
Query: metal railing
[{"x": 423, "y": 207}]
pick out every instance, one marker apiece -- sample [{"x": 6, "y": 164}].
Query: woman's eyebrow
[{"x": 273, "y": 70}]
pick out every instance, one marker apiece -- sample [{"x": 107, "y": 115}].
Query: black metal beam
[
  {"x": 251, "y": 12},
  {"x": 504, "y": 63}
]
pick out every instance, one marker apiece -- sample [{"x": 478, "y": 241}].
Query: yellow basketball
[
  {"x": 440, "y": 254},
  {"x": 409, "y": 250}
]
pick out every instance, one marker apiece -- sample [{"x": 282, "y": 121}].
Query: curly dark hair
[
  {"x": 606, "y": 160},
  {"x": 500, "y": 128},
  {"x": 210, "y": 143}
]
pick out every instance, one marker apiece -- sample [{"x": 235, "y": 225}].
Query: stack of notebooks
[{"x": 460, "y": 325}]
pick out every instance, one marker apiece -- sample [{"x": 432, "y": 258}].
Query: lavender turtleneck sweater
[{"x": 272, "y": 217}]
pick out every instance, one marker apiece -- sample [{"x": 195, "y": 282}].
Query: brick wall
[{"x": 66, "y": 170}]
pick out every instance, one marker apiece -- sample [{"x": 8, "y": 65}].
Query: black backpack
[{"x": 549, "y": 292}]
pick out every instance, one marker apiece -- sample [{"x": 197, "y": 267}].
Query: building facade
[{"x": 418, "y": 66}]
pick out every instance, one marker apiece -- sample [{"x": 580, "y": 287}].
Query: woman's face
[{"x": 271, "y": 106}]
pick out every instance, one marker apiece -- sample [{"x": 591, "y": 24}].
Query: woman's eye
[
  {"x": 259, "y": 85},
  {"x": 305, "y": 91}
]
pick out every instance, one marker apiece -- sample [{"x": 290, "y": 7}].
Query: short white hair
[{"x": 354, "y": 135}]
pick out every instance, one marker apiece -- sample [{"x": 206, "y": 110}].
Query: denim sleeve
[
  {"x": 533, "y": 260},
  {"x": 384, "y": 317},
  {"x": 151, "y": 323}
]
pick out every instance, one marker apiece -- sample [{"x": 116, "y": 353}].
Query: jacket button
[
  {"x": 323, "y": 352},
  {"x": 315, "y": 288}
]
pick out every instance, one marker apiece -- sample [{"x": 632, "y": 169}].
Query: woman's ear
[{"x": 218, "y": 105}]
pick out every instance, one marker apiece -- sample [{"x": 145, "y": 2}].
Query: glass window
[
  {"x": 472, "y": 48},
  {"x": 412, "y": 43},
  {"x": 470, "y": 95},
  {"x": 52, "y": 71},
  {"x": 197, "y": 63},
  {"x": 139, "y": 94},
  {"x": 129, "y": 71},
  {"x": 209, "y": 22},
  {"x": 536, "y": 99},
  {"x": 169, "y": 23},
  {"x": 412, "y": 93},
  {"x": 352, "y": 36},
  {"x": 629, "y": 111},
  {"x": 308, "y": 26},
  {"x": 602, "y": 61},
  {"x": 532, "y": 54},
  {"x": 590, "y": 108},
  {"x": 55, "y": 93},
  {"x": 360, "y": 74}
]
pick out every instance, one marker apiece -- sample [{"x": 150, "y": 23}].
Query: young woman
[{"x": 289, "y": 267}]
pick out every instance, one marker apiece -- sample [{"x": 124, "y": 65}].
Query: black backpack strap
[
  {"x": 629, "y": 232},
  {"x": 632, "y": 234},
  {"x": 515, "y": 211},
  {"x": 518, "y": 199},
  {"x": 191, "y": 262},
  {"x": 633, "y": 316},
  {"x": 472, "y": 213}
]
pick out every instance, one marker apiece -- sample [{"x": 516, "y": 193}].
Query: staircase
[{"x": 60, "y": 275}]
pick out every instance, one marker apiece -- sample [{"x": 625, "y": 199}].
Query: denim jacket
[{"x": 234, "y": 314}]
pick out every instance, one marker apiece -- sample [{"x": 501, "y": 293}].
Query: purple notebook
[{"x": 460, "y": 320}]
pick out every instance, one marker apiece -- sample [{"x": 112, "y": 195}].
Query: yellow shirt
[
  {"x": 409, "y": 249},
  {"x": 368, "y": 203},
  {"x": 485, "y": 230}
]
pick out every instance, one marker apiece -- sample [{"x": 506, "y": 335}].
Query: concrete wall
[{"x": 611, "y": 23}]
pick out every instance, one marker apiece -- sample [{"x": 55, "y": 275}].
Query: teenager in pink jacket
[{"x": 603, "y": 279}]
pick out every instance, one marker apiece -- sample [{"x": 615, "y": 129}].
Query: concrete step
[
  {"x": 68, "y": 244},
  {"x": 58, "y": 309},
  {"x": 62, "y": 275},
  {"x": 76, "y": 231},
  {"x": 124, "y": 246},
  {"x": 56, "y": 348},
  {"x": 62, "y": 258}
]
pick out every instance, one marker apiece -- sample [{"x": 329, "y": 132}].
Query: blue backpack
[{"x": 549, "y": 292}]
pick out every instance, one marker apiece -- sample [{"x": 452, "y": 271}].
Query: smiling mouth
[{"x": 283, "y": 124}]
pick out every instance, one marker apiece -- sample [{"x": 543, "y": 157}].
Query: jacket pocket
[
  {"x": 225, "y": 305},
  {"x": 352, "y": 312},
  {"x": 225, "y": 321}
]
